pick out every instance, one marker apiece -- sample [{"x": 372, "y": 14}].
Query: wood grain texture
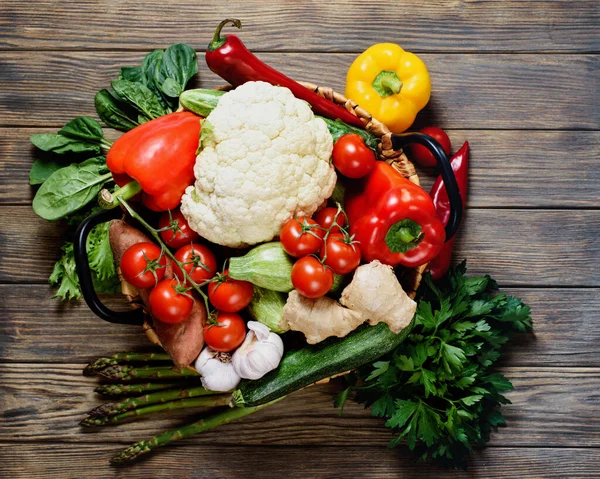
[
  {"x": 499, "y": 161},
  {"x": 567, "y": 332},
  {"x": 43, "y": 402},
  {"x": 335, "y": 26},
  {"x": 63, "y": 460},
  {"x": 486, "y": 91},
  {"x": 516, "y": 247}
]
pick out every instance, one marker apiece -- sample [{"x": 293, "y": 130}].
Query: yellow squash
[{"x": 391, "y": 84}]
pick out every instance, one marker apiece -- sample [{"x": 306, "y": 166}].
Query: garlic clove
[
  {"x": 217, "y": 371},
  {"x": 260, "y": 352}
]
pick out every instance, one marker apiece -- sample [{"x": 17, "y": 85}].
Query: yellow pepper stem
[{"x": 387, "y": 83}]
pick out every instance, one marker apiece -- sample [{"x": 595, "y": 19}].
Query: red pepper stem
[
  {"x": 108, "y": 200},
  {"x": 218, "y": 40}
]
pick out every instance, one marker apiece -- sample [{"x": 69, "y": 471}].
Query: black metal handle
[
  {"x": 82, "y": 266},
  {"x": 456, "y": 207}
]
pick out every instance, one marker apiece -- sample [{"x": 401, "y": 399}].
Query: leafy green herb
[
  {"x": 41, "y": 171},
  {"x": 436, "y": 390},
  {"x": 177, "y": 67},
  {"x": 81, "y": 135},
  {"x": 71, "y": 188},
  {"x": 134, "y": 74},
  {"x": 140, "y": 97},
  {"x": 115, "y": 112},
  {"x": 64, "y": 276}
]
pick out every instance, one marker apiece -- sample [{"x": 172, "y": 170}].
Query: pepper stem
[
  {"x": 108, "y": 200},
  {"x": 218, "y": 40},
  {"x": 387, "y": 83},
  {"x": 404, "y": 236}
]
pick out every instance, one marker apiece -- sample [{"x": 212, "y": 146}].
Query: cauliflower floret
[{"x": 266, "y": 159}]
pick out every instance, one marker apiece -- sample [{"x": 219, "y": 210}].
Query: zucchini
[
  {"x": 310, "y": 364},
  {"x": 266, "y": 265},
  {"x": 267, "y": 307},
  {"x": 201, "y": 102}
]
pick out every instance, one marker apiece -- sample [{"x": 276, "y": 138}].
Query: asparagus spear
[
  {"x": 206, "y": 401},
  {"x": 100, "y": 363},
  {"x": 223, "y": 417},
  {"x": 131, "y": 389},
  {"x": 125, "y": 372},
  {"x": 110, "y": 408}
]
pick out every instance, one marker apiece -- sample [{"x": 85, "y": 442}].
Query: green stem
[
  {"x": 111, "y": 408},
  {"x": 387, "y": 83},
  {"x": 130, "y": 389},
  {"x": 108, "y": 200},
  {"x": 141, "y": 357},
  {"x": 209, "y": 401},
  {"x": 168, "y": 252},
  {"x": 218, "y": 40},
  {"x": 205, "y": 424},
  {"x": 124, "y": 372}
]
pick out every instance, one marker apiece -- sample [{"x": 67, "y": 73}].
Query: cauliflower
[{"x": 265, "y": 158}]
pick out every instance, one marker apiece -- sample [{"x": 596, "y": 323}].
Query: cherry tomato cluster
[
  {"x": 144, "y": 266},
  {"x": 323, "y": 247}
]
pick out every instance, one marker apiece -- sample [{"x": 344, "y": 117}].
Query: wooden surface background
[{"x": 519, "y": 80}]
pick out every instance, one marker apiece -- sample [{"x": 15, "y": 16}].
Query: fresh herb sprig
[{"x": 437, "y": 391}]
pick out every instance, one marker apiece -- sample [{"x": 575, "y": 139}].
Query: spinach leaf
[
  {"x": 178, "y": 66},
  {"x": 41, "y": 171},
  {"x": 150, "y": 67},
  {"x": 81, "y": 135},
  {"x": 114, "y": 112},
  {"x": 71, "y": 188},
  {"x": 140, "y": 97},
  {"x": 134, "y": 74}
]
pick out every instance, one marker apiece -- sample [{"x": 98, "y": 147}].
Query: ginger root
[{"x": 374, "y": 295}]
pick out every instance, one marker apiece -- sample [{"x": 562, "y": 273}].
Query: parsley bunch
[{"x": 436, "y": 390}]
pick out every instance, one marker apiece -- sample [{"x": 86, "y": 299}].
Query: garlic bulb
[
  {"x": 260, "y": 352},
  {"x": 216, "y": 370}
]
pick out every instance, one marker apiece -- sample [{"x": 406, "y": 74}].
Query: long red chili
[
  {"x": 460, "y": 165},
  {"x": 229, "y": 58}
]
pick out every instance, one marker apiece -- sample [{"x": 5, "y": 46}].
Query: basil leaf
[
  {"x": 140, "y": 97},
  {"x": 114, "y": 112},
  {"x": 134, "y": 74},
  {"x": 71, "y": 188},
  {"x": 178, "y": 66},
  {"x": 41, "y": 171}
]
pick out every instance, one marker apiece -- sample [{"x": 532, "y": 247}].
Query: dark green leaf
[
  {"x": 41, "y": 171},
  {"x": 71, "y": 188},
  {"x": 140, "y": 97},
  {"x": 134, "y": 74},
  {"x": 83, "y": 128},
  {"x": 61, "y": 144},
  {"x": 115, "y": 113},
  {"x": 380, "y": 367},
  {"x": 177, "y": 67},
  {"x": 340, "y": 400},
  {"x": 64, "y": 276},
  {"x": 404, "y": 411}
]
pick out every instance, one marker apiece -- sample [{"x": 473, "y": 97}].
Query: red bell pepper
[
  {"x": 159, "y": 155},
  {"x": 229, "y": 58},
  {"x": 439, "y": 266},
  {"x": 392, "y": 219}
]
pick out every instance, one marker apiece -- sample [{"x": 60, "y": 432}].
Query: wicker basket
[{"x": 410, "y": 278}]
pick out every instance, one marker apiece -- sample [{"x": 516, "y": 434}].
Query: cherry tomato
[
  {"x": 226, "y": 334},
  {"x": 198, "y": 258},
  {"x": 301, "y": 236},
  {"x": 326, "y": 216},
  {"x": 310, "y": 278},
  {"x": 169, "y": 302},
  {"x": 182, "y": 235},
  {"x": 230, "y": 295},
  {"x": 142, "y": 265},
  {"x": 342, "y": 256},
  {"x": 352, "y": 157},
  {"x": 422, "y": 155}
]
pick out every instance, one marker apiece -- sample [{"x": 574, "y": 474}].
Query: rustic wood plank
[
  {"x": 342, "y": 25},
  {"x": 550, "y": 406},
  {"x": 517, "y": 247},
  {"x": 567, "y": 332},
  {"x": 62, "y": 460},
  {"x": 499, "y": 164},
  {"x": 469, "y": 91}
]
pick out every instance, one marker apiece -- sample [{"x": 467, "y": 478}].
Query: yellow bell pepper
[{"x": 391, "y": 84}]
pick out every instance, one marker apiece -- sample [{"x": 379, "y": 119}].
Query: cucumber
[
  {"x": 310, "y": 364},
  {"x": 201, "y": 102},
  {"x": 266, "y": 265}
]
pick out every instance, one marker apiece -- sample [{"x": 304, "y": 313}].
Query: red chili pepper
[
  {"x": 392, "y": 219},
  {"x": 229, "y": 58},
  {"x": 160, "y": 155},
  {"x": 439, "y": 266}
]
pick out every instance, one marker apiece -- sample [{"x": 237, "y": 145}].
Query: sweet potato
[{"x": 183, "y": 341}]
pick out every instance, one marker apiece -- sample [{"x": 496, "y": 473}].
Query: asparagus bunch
[{"x": 102, "y": 363}]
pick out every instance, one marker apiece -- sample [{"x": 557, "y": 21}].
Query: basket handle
[
  {"x": 82, "y": 267},
  {"x": 456, "y": 208}
]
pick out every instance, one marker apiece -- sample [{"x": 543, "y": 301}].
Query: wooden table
[{"x": 519, "y": 80}]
